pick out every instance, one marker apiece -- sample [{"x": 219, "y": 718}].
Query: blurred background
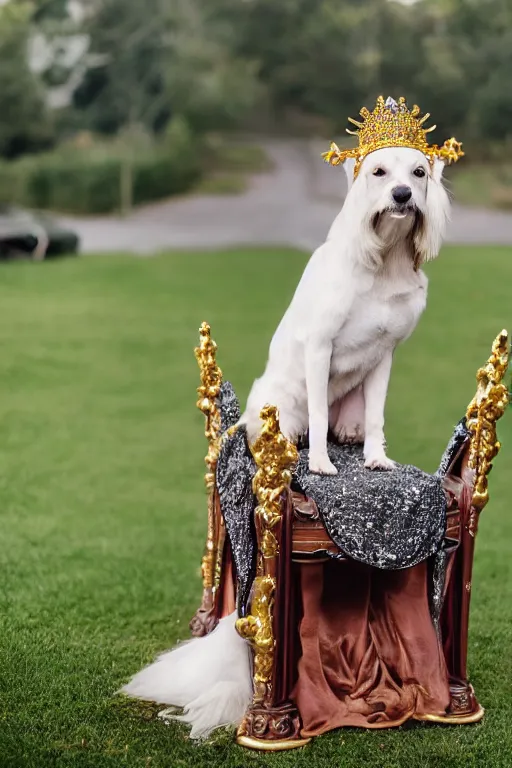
[{"x": 109, "y": 105}]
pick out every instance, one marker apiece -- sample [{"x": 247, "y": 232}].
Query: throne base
[
  {"x": 464, "y": 708},
  {"x": 271, "y": 728},
  {"x": 270, "y": 746},
  {"x": 205, "y": 619}
]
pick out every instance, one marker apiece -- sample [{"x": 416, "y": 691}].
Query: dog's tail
[{"x": 208, "y": 677}]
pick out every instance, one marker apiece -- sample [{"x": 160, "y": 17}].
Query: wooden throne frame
[{"x": 289, "y": 529}]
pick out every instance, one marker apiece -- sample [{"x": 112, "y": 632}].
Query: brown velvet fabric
[
  {"x": 227, "y": 588},
  {"x": 370, "y": 654}
]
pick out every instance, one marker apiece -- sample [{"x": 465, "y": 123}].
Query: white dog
[
  {"x": 362, "y": 293},
  {"x": 330, "y": 360}
]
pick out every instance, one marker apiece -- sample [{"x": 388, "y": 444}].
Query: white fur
[
  {"x": 329, "y": 363},
  {"x": 361, "y": 293},
  {"x": 208, "y": 677}
]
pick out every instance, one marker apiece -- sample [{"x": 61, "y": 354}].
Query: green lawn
[
  {"x": 230, "y": 167},
  {"x": 486, "y": 185},
  {"x": 103, "y": 513}
]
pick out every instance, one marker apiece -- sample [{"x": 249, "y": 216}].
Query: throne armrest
[{"x": 310, "y": 539}]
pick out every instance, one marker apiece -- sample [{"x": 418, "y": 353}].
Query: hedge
[{"x": 90, "y": 182}]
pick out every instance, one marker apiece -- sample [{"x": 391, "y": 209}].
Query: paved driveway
[{"x": 293, "y": 205}]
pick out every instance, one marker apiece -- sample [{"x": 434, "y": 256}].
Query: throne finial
[
  {"x": 211, "y": 379},
  {"x": 488, "y": 405},
  {"x": 275, "y": 456}
]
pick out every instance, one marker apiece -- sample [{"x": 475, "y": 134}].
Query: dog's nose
[{"x": 402, "y": 194}]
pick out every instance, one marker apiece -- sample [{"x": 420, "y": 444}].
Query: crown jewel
[{"x": 392, "y": 124}]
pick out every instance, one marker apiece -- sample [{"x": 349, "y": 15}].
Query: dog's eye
[
  {"x": 419, "y": 172},
  {"x": 379, "y": 172}
]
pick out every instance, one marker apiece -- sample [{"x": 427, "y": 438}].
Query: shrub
[
  {"x": 163, "y": 175},
  {"x": 89, "y": 180}
]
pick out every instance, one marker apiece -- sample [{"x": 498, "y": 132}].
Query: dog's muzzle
[{"x": 398, "y": 211}]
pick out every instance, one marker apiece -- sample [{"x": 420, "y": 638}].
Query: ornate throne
[{"x": 270, "y": 524}]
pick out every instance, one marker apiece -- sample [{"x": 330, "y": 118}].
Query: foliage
[
  {"x": 221, "y": 63},
  {"x": 332, "y": 56},
  {"x": 127, "y": 85},
  {"x": 158, "y": 60},
  {"x": 228, "y": 166},
  {"x": 25, "y": 124},
  {"x": 483, "y": 184},
  {"x": 88, "y": 180}
]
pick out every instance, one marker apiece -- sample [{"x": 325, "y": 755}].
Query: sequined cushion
[
  {"x": 389, "y": 520},
  {"x": 457, "y": 440},
  {"x": 235, "y": 470}
]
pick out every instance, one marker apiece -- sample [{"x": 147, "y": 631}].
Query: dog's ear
[
  {"x": 429, "y": 233},
  {"x": 348, "y": 167},
  {"x": 437, "y": 170}
]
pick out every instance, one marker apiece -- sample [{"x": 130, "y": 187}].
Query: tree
[
  {"x": 128, "y": 40},
  {"x": 25, "y": 124},
  {"x": 162, "y": 59},
  {"x": 207, "y": 82},
  {"x": 212, "y": 62}
]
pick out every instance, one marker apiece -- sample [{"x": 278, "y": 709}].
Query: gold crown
[{"x": 391, "y": 124}]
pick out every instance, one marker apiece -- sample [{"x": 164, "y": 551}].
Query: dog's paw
[
  {"x": 322, "y": 465},
  {"x": 380, "y": 461},
  {"x": 350, "y": 434}
]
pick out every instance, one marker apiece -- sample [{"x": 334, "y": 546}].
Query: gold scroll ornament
[
  {"x": 275, "y": 457},
  {"x": 211, "y": 380},
  {"x": 488, "y": 405}
]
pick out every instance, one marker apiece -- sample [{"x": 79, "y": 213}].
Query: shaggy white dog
[{"x": 361, "y": 293}]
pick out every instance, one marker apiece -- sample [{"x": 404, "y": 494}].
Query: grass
[
  {"x": 230, "y": 167},
  {"x": 487, "y": 184},
  {"x": 103, "y": 512}
]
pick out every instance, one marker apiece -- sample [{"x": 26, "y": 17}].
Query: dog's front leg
[
  {"x": 318, "y": 364},
  {"x": 375, "y": 391}
]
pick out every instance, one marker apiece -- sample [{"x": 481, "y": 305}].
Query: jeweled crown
[{"x": 392, "y": 124}]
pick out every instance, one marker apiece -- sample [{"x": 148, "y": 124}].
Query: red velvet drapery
[{"x": 370, "y": 655}]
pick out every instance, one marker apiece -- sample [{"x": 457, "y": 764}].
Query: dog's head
[{"x": 400, "y": 195}]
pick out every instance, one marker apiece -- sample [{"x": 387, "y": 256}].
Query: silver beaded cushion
[
  {"x": 390, "y": 520},
  {"x": 235, "y": 470}
]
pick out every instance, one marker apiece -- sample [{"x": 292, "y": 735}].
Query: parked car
[{"x": 37, "y": 235}]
